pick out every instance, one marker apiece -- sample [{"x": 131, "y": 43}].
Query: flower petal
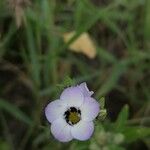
[
  {"x": 72, "y": 96},
  {"x": 89, "y": 109},
  {"x": 82, "y": 130},
  {"x": 54, "y": 110},
  {"x": 61, "y": 130},
  {"x": 85, "y": 90}
]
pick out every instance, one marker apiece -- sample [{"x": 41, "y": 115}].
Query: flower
[{"x": 72, "y": 115}]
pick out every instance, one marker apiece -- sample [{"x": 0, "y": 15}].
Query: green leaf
[
  {"x": 82, "y": 24},
  {"x": 4, "y": 145},
  {"x": 15, "y": 111},
  {"x": 34, "y": 66},
  {"x": 105, "y": 55},
  {"x": 5, "y": 41},
  {"x": 118, "y": 69},
  {"x": 133, "y": 133},
  {"x": 122, "y": 119},
  {"x": 114, "y": 147},
  {"x": 67, "y": 82},
  {"x": 147, "y": 20}
]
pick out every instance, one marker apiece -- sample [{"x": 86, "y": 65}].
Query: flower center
[{"x": 72, "y": 115}]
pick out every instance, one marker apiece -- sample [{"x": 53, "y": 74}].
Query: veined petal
[
  {"x": 61, "y": 130},
  {"x": 85, "y": 90},
  {"x": 82, "y": 130},
  {"x": 89, "y": 109},
  {"x": 54, "y": 110},
  {"x": 72, "y": 96}
]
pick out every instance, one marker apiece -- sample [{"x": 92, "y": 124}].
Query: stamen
[{"x": 72, "y": 115}]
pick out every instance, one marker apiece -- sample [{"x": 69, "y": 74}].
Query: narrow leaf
[
  {"x": 122, "y": 118},
  {"x": 133, "y": 133},
  {"x": 14, "y": 111}
]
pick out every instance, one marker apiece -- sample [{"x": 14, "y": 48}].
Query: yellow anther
[{"x": 74, "y": 117}]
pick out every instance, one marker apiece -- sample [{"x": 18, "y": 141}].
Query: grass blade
[{"x": 15, "y": 111}]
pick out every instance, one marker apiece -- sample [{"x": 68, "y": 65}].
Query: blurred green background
[{"x": 35, "y": 65}]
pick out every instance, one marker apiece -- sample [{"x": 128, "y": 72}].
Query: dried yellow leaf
[{"x": 83, "y": 44}]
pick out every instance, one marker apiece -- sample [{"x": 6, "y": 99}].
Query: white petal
[
  {"x": 82, "y": 130},
  {"x": 54, "y": 110},
  {"x": 89, "y": 109},
  {"x": 72, "y": 96},
  {"x": 61, "y": 130},
  {"x": 85, "y": 90}
]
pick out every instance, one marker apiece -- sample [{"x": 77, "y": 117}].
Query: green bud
[{"x": 102, "y": 114}]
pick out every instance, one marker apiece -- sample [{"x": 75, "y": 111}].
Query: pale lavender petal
[
  {"x": 54, "y": 110},
  {"x": 89, "y": 109},
  {"x": 82, "y": 130},
  {"x": 72, "y": 96},
  {"x": 61, "y": 130},
  {"x": 85, "y": 90}
]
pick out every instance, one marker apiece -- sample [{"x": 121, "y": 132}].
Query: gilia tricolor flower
[{"x": 72, "y": 115}]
